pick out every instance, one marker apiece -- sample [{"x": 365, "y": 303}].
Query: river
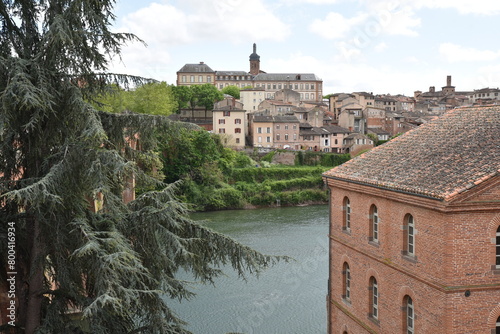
[{"x": 286, "y": 298}]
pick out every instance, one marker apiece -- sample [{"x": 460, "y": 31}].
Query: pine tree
[{"x": 59, "y": 156}]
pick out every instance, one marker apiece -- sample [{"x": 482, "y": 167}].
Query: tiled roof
[
  {"x": 275, "y": 119},
  {"x": 378, "y": 131},
  {"x": 335, "y": 129},
  {"x": 202, "y": 68},
  {"x": 285, "y": 76},
  {"x": 231, "y": 73},
  {"x": 439, "y": 159}
]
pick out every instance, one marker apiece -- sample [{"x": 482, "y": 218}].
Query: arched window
[
  {"x": 373, "y": 298},
  {"x": 497, "y": 327},
  {"x": 409, "y": 235},
  {"x": 346, "y": 282},
  {"x": 408, "y": 315},
  {"x": 374, "y": 220},
  {"x": 498, "y": 248},
  {"x": 347, "y": 215}
]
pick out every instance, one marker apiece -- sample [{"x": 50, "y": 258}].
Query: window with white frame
[
  {"x": 497, "y": 263},
  {"x": 373, "y": 298},
  {"x": 408, "y": 315},
  {"x": 346, "y": 226},
  {"x": 374, "y": 224},
  {"x": 409, "y": 235},
  {"x": 346, "y": 282}
]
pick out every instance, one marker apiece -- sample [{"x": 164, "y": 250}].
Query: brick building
[{"x": 415, "y": 231}]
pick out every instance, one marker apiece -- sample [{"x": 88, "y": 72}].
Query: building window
[
  {"x": 237, "y": 130},
  {"x": 227, "y": 113},
  {"x": 294, "y": 136},
  {"x": 260, "y": 140},
  {"x": 259, "y": 130},
  {"x": 286, "y": 127},
  {"x": 497, "y": 327},
  {"x": 268, "y": 139},
  {"x": 209, "y": 79},
  {"x": 346, "y": 226},
  {"x": 278, "y": 137},
  {"x": 409, "y": 235},
  {"x": 237, "y": 140},
  {"x": 286, "y": 136},
  {"x": 222, "y": 130},
  {"x": 192, "y": 78},
  {"x": 200, "y": 78},
  {"x": 498, "y": 248},
  {"x": 346, "y": 282},
  {"x": 408, "y": 315},
  {"x": 268, "y": 130},
  {"x": 237, "y": 121},
  {"x": 277, "y": 126},
  {"x": 183, "y": 78},
  {"x": 374, "y": 220},
  {"x": 222, "y": 121},
  {"x": 373, "y": 298}
]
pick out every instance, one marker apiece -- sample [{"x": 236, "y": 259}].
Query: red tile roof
[{"x": 439, "y": 159}]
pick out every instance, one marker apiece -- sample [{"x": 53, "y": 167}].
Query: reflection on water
[{"x": 286, "y": 298}]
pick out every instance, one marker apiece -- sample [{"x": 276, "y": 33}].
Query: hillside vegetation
[{"x": 214, "y": 177}]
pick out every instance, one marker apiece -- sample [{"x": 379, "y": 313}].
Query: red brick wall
[{"x": 455, "y": 251}]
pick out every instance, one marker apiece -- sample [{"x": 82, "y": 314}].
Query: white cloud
[
  {"x": 335, "y": 26},
  {"x": 231, "y": 20},
  {"x": 456, "y": 53},
  {"x": 482, "y": 7},
  {"x": 380, "y": 47},
  {"x": 377, "y": 19}
]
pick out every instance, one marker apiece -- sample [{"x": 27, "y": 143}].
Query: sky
[{"x": 379, "y": 46}]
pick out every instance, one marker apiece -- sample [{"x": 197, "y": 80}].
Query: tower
[{"x": 254, "y": 61}]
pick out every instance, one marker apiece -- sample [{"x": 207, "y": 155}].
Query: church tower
[{"x": 254, "y": 61}]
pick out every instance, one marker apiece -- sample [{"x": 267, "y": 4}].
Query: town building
[
  {"x": 486, "y": 96},
  {"x": 230, "y": 122},
  {"x": 415, "y": 231},
  {"x": 308, "y": 85},
  {"x": 195, "y": 74}
]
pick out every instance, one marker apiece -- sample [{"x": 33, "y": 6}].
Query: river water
[{"x": 286, "y": 298}]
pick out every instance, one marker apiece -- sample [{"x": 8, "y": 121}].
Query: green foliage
[
  {"x": 113, "y": 99},
  {"x": 156, "y": 98},
  {"x": 373, "y": 137},
  {"x": 205, "y": 96},
  {"x": 231, "y": 90},
  {"x": 268, "y": 157},
  {"x": 251, "y": 175},
  {"x": 60, "y": 157},
  {"x": 310, "y": 158},
  {"x": 183, "y": 96}
]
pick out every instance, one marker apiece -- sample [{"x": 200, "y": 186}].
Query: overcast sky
[{"x": 376, "y": 46}]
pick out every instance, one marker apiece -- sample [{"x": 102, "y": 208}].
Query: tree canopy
[
  {"x": 231, "y": 90},
  {"x": 64, "y": 166}
]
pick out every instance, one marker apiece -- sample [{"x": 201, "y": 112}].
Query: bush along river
[{"x": 289, "y": 297}]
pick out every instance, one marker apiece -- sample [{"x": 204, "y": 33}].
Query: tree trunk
[{"x": 35, "y": 282}]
